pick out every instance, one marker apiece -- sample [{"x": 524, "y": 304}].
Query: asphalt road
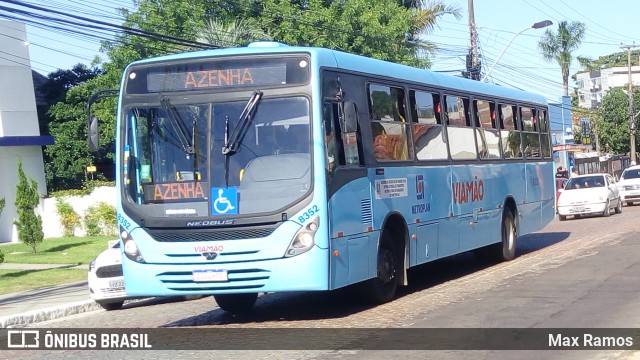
[{"x": 579, "y": 273}]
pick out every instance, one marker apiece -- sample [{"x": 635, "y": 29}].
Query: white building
[
  {"x": 592, "y": 86},
  {"x": 19, "y": 129}
]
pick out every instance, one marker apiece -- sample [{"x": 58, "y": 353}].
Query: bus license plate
[
  {"x": 115, "y": 284},
  {"x": 210, "y": 275}
]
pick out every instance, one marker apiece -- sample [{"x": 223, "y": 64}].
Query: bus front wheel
[
  {"x": 236, "y": 303},
  {"x": 382, "y": 288}
]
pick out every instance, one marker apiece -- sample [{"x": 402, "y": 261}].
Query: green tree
[
  {"x": 612, "y": 121},
  {"x": 425, "y": 16},
  {"x": 559, "y": 46},
  {"x": 29, "y": 223},
  {"x": 377, "y": 28},
  {"x": 237, "y": 33}
]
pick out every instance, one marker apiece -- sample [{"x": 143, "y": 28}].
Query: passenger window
[
  {"x": 510, "y": 136},
  {"x": 428, "y": 135},
  {"x": 389, "y": 128},
  {"x": 487, "y": 137},
  {"x": 530, "y": 135},
  {"x": 460, "y": 131},
  {"x": 457, "y": 110}
]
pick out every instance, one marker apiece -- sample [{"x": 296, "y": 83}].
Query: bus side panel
[
  {"x": 426, "y": 248},
  {"x": 539, "y": 197},
  {"x": 421, "y": 195},
  {"x": 478, "y": 196},
  {"x": 351, "y": 236}
]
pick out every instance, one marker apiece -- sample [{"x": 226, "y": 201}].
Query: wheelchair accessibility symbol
[{"x": 225, "y": 201}]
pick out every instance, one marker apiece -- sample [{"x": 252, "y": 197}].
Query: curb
[{"x": 51, "y": 313}]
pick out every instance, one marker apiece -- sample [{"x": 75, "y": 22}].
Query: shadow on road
[{"x": 343, "y": 302}]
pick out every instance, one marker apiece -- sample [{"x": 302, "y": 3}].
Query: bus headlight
[
  {"x": 303, "y": 241},
  {"x": 130, "y": 247}
]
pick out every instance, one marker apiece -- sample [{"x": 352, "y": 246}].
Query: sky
[{"x": 497, "y": 21}]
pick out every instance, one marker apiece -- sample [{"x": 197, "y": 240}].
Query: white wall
[
  {"x": 80, "y": 204},
  {"x": 18, "y": 117}
]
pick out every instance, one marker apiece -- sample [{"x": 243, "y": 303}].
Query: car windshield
[
  {"x": 630, "y": 174},
  {"x": 583, "y": 182}
]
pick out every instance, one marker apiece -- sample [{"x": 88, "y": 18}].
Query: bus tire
[
  {"x": 509, "y": 236},
  {"x": 236, "y": 303},
  {"x": 382, "y": 288},
  {"x": 504, "y": 250}
]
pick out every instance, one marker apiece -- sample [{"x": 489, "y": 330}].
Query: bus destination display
[{"x": 218, "y": 74}]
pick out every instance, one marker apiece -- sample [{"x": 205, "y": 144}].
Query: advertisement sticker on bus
[{"x": 391, "y": 188}]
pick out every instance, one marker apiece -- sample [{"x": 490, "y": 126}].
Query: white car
[
  {"x": 629, "y": 185},
  {"x": 106, "y": 282},
  {"x": 589, "y": 194}
]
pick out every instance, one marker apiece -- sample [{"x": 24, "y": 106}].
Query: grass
[
  {"x": 65, "y": 250},
  {"x": 21, "y": 280}
]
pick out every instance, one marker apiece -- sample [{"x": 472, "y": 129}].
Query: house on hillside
[{"x": 19, "y": 127}]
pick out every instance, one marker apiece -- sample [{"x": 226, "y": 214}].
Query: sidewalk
[{"x": 32, "y": 306}]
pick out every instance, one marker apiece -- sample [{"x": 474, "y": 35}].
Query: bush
[
  {"x": 69, "y": 219},
  {"x": 87, "y": 188},
  {"x": 100, "y": 219}
]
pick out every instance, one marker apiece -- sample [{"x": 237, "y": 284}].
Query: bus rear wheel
[
  {"x": 236, "y": 303},
  {"x": 382, "y": 288},
  {"x": 509, "y": 235},
  {"x": 505, "y": 250}
]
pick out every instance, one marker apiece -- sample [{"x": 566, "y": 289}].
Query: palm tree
[
  {"x": 426, "y": 13},
  {"x": 238, "y": 33},
  {"x": 558, "y": 46}
]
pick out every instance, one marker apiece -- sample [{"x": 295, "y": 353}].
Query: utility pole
[
  {"x": 473, "y": 60},
  {"x": 632, "y": 122}
]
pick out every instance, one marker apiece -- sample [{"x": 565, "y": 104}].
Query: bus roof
[{"x": 342, "y": 60}]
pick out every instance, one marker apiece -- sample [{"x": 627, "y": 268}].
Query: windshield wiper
[
  {"x": 178, "y": 126},
  {"x": 232, "y": 142}
]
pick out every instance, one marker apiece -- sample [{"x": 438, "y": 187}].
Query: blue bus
[{"x": 274, "y": 168}]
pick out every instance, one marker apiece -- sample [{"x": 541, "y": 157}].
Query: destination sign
[
  {"x": 216, "y": 74},
  {"x": 187, "y": 190},
  {"x": 217, "y": 78}
]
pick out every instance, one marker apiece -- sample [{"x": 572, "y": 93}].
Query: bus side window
[
  {"x": 389, "y": 128},
  {"x": 331, "y": 145},
  {"x": 333, "y": 134},
  {"x": 428, "y": 135},
  {"x": 511, "y": 137}
]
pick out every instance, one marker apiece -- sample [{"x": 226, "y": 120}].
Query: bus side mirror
[
  {"x": 92, "y": 135},
  {"x": 350, "y": 117}
]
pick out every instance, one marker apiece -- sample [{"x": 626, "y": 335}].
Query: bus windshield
[{"x": 174, "y": 157}]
